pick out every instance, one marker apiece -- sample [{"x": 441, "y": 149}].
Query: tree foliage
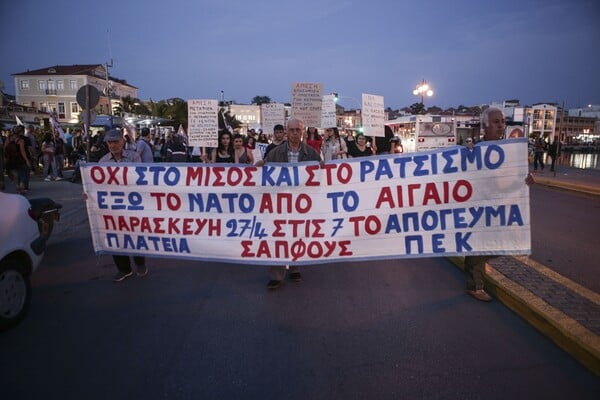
[
  {"x": 258, "y": 100},
  {"x": 417, "y": 108}
]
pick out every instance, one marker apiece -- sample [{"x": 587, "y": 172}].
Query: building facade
[{"x": 55, "y": 89}]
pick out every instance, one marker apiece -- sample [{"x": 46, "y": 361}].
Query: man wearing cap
[
  {"x": 118, "y": 154},
  {"x": 143, "y": 148}
]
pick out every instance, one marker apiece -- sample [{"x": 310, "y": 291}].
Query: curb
[
  {"x": 568, "y": 186},
  {"x": 567, "y": 333}
]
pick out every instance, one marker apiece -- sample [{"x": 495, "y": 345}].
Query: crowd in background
[{"x": 31, "y": 150}]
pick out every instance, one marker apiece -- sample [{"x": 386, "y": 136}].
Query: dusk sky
[{"x": 471, "y": 52}]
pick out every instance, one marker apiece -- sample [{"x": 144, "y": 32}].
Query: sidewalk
[
  {"x": 564, "y": 311},
  {"x": 576, "y": 179}
]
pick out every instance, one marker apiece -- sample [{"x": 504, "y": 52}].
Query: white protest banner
[
  {"x": 306, "y": 102},
  {"x": 328, "y": 119},
  {"x": 373, "y": 115},
  {"x": 203, "y": 123},
  {"x": 447, "y": 202},
  {"x": 272, "y": 114}
]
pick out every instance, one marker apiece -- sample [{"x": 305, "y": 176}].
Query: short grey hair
[
  {"x": 294, "y": 119},
  {"x": 485, "y": 115}
]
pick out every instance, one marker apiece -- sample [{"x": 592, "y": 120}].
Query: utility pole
[
  {"x": 562, "y": 115},
  {"x": 108, "y": 87}
]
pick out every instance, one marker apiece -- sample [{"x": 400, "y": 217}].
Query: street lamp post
[{"x": 422, "y": 89}]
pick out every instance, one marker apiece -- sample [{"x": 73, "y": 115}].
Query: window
[
  {"x": 73, "y": 84},
  {"x": 51, "y": 107},
  {"x": 74, "y": 108},
  {"x": 60, "y": 85},
  {"x": 42, "y": 85},
  {"x": 24, "y": 85},
  {"x": 61, "y": 110}
]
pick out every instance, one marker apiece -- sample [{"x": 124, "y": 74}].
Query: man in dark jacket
[{"x": 293, "y": 150}]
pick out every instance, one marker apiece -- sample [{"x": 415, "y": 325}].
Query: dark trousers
[
  {"x": 538, "y": 156},
  {"x": 474, "y": 270},
  {"x": 124, "y": 262}
]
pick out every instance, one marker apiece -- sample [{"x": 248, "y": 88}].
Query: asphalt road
[
  {"x": 565, "y": 232},
  {"x": 191, "y": 330}
]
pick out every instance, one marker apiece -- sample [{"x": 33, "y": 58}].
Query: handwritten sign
[
  {"x": 448, "y": 202},
  {"x": 272, "y": 114},
  {"x": 306, "y": 102},
  {"x": 328, "y": 118},
  {"x": 373, "y": 115},
  {"x": 203, "y": 123}
]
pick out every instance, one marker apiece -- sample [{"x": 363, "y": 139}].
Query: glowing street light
[{"x": 423, "y": 90}]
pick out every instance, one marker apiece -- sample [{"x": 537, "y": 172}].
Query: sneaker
[
  {"x": 58, "y": 178},
  {"x": 273, "y": 284},
  {"x": 480, "y": 295},
  {"x": 142, "y": 270},
  {"x": 296, "y": 276},
  {"x": 120, "y": 276},
  {"x": 47, "y": 179}
]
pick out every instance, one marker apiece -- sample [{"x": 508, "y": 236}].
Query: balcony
[{"x": 51, "y": 92}]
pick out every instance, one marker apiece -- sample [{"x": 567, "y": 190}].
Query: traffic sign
[
  {"x": 89, "y": 114},
  {"x": 88, "y": 97}
]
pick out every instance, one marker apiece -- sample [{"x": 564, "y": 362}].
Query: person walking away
[
  {"x": 16, "y": 159},
  {"x": 538, "y": 152},
  {"x": 291, "y": 151},
  {"x": 493, "y": 123},
  {"x": 68, "y": 139},
  {"x": 59, "y": 155},
  {"x": 118, "y": 154},
  {"x": 553, "y": 152}
]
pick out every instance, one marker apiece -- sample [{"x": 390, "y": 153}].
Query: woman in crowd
[
  {"x": 242, "y": 155},
  {"x": 361, "y": 147},
  {"x": 333, "y": 147},
  {"x": 48, "y": 149},
  {"x": 262, "y": 138},
  {"x": 224, "y": 152},
  {"x": 250, "y": 142},
  {"x": 313, "y": 138}
]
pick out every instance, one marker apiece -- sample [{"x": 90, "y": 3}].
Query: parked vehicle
[{"x": 24, "y": 230}]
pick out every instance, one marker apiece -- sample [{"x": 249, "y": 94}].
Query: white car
[{"x": 21, "y": 251}]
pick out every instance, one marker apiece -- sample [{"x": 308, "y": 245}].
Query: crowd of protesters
[{"x": 32, "y": 150}]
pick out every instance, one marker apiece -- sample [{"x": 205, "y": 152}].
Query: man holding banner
[
  {"x": 493, "y": 123},
  {"x": 293, "y": 150},
  {"x": 118, "y": 154}
]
